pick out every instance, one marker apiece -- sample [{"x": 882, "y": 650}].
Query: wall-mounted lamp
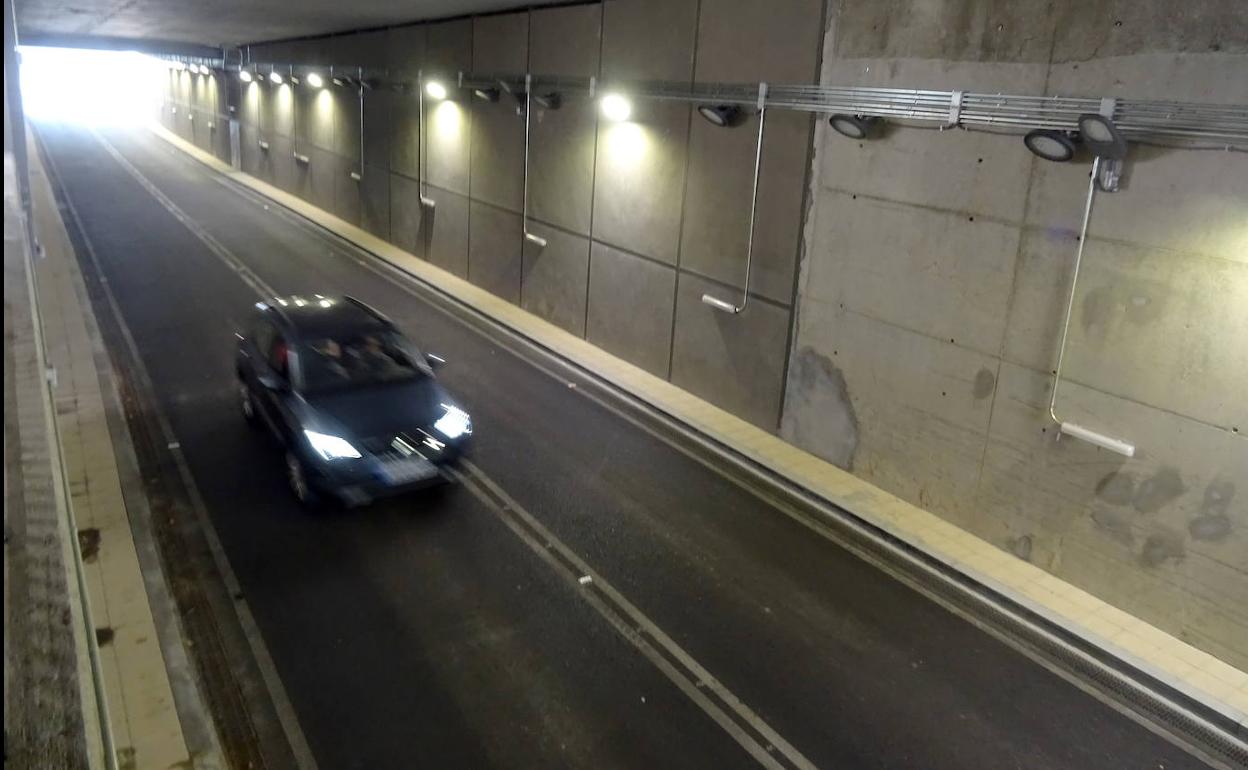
[
  {"x": 616, "y": 107},
  {"x": 275, "y": 78},
  {"x": 179, "y": 65},
  {"x": 245, "y": 76},
  {"x": 340, "y": 81},
  {"x": 295, "y": 79},
  {"x": 486, "y": 94},
  {"x": 1107, "y": 144},
  {"x": 1057, "y": 146},
  {"x": 315, "y": 80},
  {"x": 1102, "y": 136},
  {"x": 854, "y": 126},
  {"x": 435, "y": 90},
  {"x": 549, "y": 101},
  {"x": 725, "y": 115}
]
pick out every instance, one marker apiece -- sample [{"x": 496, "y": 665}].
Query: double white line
[{"x": 745, "y": 726}]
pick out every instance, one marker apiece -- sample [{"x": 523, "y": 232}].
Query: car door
[{"x": 273, "y": 383}]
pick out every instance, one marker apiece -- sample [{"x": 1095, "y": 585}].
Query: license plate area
[{"x": 406, "y": 470}]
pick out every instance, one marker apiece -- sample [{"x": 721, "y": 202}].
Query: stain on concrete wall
[
  {"x": 818, "y": 413},
  {"x": 933, "y": 279}
]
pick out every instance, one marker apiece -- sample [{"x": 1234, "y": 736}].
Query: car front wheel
[{"x": 246, "y": 402}]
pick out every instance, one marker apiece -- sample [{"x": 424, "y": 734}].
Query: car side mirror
[{"x": 436, "y": 362}]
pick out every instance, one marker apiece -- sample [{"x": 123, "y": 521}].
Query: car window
[
  {"x": 366, "y": 357},
  {"x": 262, "y": 336}
]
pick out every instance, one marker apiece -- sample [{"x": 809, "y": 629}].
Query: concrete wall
[
  {"x": 933, "y": 265},
  {"x": 933, "y": 282},
  {"x": 640, "y": 218}
]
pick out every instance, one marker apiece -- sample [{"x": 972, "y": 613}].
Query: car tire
[
  {"x": 297, "y": 480},
  {"x": 247, "y": 404}
]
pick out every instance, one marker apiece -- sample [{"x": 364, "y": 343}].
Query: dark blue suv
[{"x": 353, "y": 402}]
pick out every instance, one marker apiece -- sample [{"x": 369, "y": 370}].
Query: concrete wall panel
[
  {"x": 406, "y": 215},
  {"x": 649, "y": 39},
  {"x": 631, "y": 301},
  {"x": 447, "y": 230},
  {"x": 494, "y": 251},
  {"x": 566, "y": 41},
  {"x": 554, "y": 278},
  {"x": 375, "y": 203},
  {"x": 733, "y": 361},
  {"x": 718, "y": 195},
  {"x": 639, "y": 180}
]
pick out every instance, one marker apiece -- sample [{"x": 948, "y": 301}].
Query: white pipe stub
[
  {"x": 1099, "y": 439},
  {"x": 719, "y": 304}
]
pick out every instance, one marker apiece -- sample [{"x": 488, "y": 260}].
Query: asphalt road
[{"x": 439, "y": 629}]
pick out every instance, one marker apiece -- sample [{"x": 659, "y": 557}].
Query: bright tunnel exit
[{"x": 90, "y": 87}]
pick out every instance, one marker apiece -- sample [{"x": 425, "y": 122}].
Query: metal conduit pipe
[
  {"x": 1069, "y": 428},
  {"x": 716, "y": 302}
]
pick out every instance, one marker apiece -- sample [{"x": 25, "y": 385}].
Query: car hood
[{"x": 382, "y": 411}]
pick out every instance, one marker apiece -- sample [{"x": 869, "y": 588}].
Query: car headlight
[
  {"x": 331, "y": 447},
  {"x": 454, "y": 423}
]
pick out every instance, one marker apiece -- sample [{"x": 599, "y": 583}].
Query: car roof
[{"x": 318, "y": 314}]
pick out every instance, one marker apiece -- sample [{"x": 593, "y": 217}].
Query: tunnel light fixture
[
  {"x": 275, "y": 78},
  {"x": 179, "y": 65},
  {"x": 1102, "y": 137},
  {"x": 204, "y": 69},
  {"x": 340, "y": 81},
  {"x": 315, "y": 80},
  {"x": 854, "y": 126},
  {"x": 485, "y": 94},
  {"x": 551, "y": 100},
  {"x": 616, "y": 107},
  {"x": 245, "y": 76},
  {"x": 435, "y": 90},
  {"x": 1057, "y": 146},
  {"x": 724, "y": 115}
]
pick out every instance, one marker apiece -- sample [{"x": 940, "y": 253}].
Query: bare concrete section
[{"x": 934, "y": 279}]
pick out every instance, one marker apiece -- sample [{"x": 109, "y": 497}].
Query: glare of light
[
  {"x": 275, "y": 78},
  {"x": 331, "y": 447},
  {"x": 179, "y": 65},
  {"x": 203, "y": 70},
  {"x": 65, "y": 85},
  {"x": 626, "y": 144},
  {"x": 326, "y": 303},
  {"x": 446, "y": 121},
  {"x": 435, "y": 90},
  {"x": 616, "y": 107},
  {"x": 244, "y": 75},
  {"x": 315, "y": 80},
  {"x": 454, "y": 423},
  {"x": 300, "y": 302}
]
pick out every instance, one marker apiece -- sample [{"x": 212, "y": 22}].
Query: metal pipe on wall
[
  {"x": 524, "y": 206},
  {"x": 708, "y": 299},
  {"x": 1069, "y": 428}
]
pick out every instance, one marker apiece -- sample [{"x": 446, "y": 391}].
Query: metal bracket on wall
[
  {"x": 716, "y": 302},
  {"x": 1064, "y": 427}
]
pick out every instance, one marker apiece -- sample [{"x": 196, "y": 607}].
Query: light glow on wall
[
  {"x": 626, "y": 144},
  {"x": 447, "y": 121},
  {"x": 94, "y": 88},
  {"x": 616, "y": 107},
  {"x": 435, "y": 90}
]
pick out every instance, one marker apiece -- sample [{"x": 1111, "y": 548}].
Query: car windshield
[{"x": 365, "y": 358}]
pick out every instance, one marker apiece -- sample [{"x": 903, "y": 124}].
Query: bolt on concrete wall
[
  {"x": 935, "y": 271},
  {"x": 640, "y": 218}
]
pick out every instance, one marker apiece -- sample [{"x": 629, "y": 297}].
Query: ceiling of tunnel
[{"x": 226, "y": 22}]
